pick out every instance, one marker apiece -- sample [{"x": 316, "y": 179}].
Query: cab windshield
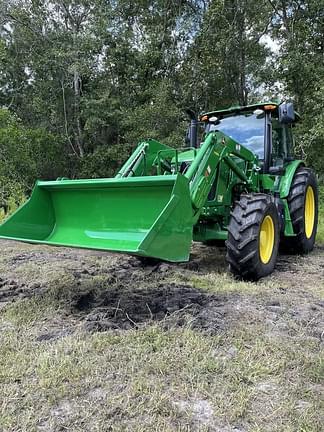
[{"x": 246, "y": 129}]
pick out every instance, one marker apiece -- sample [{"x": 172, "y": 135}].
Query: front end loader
[{"x": 240, "y": 184}]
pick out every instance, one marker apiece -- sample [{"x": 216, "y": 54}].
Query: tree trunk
[
  {"x": 77, "y": 112},
  {"x": 242, "y": 90}
]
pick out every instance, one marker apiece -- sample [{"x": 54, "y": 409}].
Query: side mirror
[{"x": 286, "y": 113}]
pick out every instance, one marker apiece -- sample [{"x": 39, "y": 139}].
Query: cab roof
[{"x": 236, "y": 109}]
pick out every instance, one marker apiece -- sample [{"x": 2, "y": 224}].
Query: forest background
[{"x": 81, "y": 82}]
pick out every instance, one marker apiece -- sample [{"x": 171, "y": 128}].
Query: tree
[
  {"x": 101, "y": 75},
  {"x": 299, "y": 29},
  {"x": 26, "y": 154},
  {"x": 227, "y": 56}
]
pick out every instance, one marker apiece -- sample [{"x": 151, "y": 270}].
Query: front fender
[{"x": 287, "y": 179}]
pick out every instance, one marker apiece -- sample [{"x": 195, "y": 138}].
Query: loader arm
[{"x": 216, "y": 148}]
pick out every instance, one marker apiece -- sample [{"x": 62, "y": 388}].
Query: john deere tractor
[{"x": 238, "y": 182}]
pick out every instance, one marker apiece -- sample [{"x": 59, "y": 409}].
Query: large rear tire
[
  {"x": 253, "y": 237},
  {"x": 303, "y": 207}
]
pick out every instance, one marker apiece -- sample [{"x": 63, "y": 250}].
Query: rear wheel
[
  {"x": 253, "y": 236},
  {"x": 303, "y": 207}
]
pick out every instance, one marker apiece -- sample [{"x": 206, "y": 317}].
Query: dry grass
[
  {"x": 152, "y": 379},
  {"x": 185, "y": 348}
]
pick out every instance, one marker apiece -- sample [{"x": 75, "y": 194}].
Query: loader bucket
[{"x": 148, "y": 216}]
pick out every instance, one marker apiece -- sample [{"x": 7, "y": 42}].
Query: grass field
[{"x": 98, "y": 342}]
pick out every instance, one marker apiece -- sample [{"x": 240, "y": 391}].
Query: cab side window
[
  {"x": 278, "y": 143},
  {"x": 282, "y": 141},
  {"x": 289, "y": 141}
]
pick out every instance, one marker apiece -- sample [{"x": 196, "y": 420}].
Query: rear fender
[{"x": 287, "y": 179}]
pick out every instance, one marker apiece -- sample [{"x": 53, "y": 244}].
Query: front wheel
[{"x": 253, "y": 236}]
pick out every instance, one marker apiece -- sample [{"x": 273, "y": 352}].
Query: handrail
[{"x": 210, "y": 141}]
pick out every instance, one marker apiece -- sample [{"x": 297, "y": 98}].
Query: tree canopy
[{"x": 82, "y": 82}]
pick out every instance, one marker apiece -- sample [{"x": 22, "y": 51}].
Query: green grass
[
  {"x": 249, "y": 357},
  {"x": 153, "y": 379}
]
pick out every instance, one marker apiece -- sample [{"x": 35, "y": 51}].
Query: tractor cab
[{"x": 265, "y": 129}]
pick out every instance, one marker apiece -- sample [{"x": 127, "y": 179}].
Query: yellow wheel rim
[
  {"x": 266, "y": 240},
  {"x": 309, "y": 212}
]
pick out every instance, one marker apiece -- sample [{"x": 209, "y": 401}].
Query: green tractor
[{"x": 240, "y": 184}]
